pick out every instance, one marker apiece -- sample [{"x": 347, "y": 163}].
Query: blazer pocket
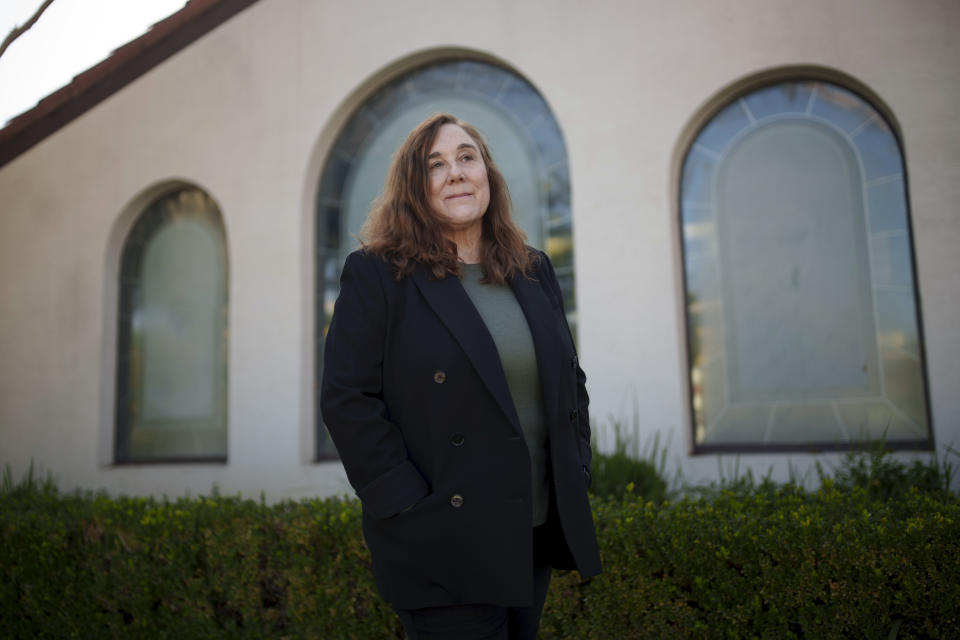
[
  {"x": 414, "y": 507},
  {"x": 393, "y": 491}
]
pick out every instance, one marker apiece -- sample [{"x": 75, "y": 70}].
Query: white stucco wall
[{"x": 248, "y": 113}]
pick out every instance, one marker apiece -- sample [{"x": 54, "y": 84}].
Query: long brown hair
[{"x": 404, "y": 231}]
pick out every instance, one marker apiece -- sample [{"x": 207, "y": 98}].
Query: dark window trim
[
  {"x": 816, "y": 447},
  {"x": 168, "y": 460}
]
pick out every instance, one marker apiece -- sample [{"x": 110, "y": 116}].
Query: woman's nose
[{"x": 456, "y": 173}]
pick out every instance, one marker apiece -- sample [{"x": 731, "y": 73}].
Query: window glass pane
[
  {"x": 549, "y": 142},
  {"x": 558, "y": 193},
  {"x": 897, "y": 321},
  {"x": 802, "y": 423},
  {"x": 876, "y": 420},
  {"x": 741, "y": 425},
  {"x": 723, "y": 128},
  {"x": 792, "y": 97},
  {"x": 792, "y": 251},
  {"x": 483, "y": 79},
  {"x": 891, "y": 259},
  {"x": 878, "y": 150},
  {"x": 840, "y": 107},
  {"x": 697, "y": 176},
  {"x": 887, "y": 203},
  {"x": 442, "y": 76},
  {"x": 172, "y": 364},
  {"x": 904, "y": 387},
  {"x": 175, "y": 324},
  {"x": 802, "y": 317},
  {"x": 526, "y": 106}
]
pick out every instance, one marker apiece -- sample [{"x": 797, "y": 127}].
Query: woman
[{"x": 452, "y": 391}]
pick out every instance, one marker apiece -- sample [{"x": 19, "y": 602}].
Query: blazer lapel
[
  {"x": 450, "y": 302},
  {"x": 540, "y": 309}
]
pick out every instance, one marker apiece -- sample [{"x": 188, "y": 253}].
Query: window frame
[
  {"x": 536, "y": 124},
  {"x": 739, "y": 92},
  {"x": 151, "y": 219}
]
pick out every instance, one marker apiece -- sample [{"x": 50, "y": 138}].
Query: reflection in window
[
  {"x": 172, "y": 351},
  {"x": 524, "y": 139},
  {"x": 800, "y": 292}
]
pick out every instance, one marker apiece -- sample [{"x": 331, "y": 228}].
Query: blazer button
[
  {"x": 456, "y": 500},
  {"x": 573, "y": 415},
  {"x": 573, "y": 362},
  {"x": 457, "y": 439},
  {"x": 439, "y": 376}
]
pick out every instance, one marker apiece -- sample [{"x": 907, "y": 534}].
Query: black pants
[{"x": 483, "y": 621}]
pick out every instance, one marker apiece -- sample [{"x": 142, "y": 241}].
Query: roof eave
[{"x": 120, "y": 68}]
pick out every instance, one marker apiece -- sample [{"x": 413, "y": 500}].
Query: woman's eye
[
  {"x": 435, "y": 165},
  {"x": 466, "y": 158}
]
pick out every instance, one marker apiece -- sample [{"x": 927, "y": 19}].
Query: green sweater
[{"x": 501, "y": 312}]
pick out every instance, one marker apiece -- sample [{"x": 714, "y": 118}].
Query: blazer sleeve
[
  {"x": 583, "y": 400},
  {"x": 371, "y": 447}
]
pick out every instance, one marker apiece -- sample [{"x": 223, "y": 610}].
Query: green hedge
[{"x": 780, "y": 563}]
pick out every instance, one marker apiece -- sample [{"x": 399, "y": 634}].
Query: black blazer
[{"x": 417, "y": 403}]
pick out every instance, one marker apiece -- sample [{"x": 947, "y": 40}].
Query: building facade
[{"x": 751, "y": 206}]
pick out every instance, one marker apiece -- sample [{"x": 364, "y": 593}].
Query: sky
[{"x": 70, "y": 37}]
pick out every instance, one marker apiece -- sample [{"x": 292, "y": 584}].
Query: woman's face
[{"x": 457, "y": 187}]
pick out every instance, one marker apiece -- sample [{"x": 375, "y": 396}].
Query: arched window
[
  {"x": 525, "y": 141},
  {"x": 802, "y": 316},
  {"x": 171, "y": 401}
]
